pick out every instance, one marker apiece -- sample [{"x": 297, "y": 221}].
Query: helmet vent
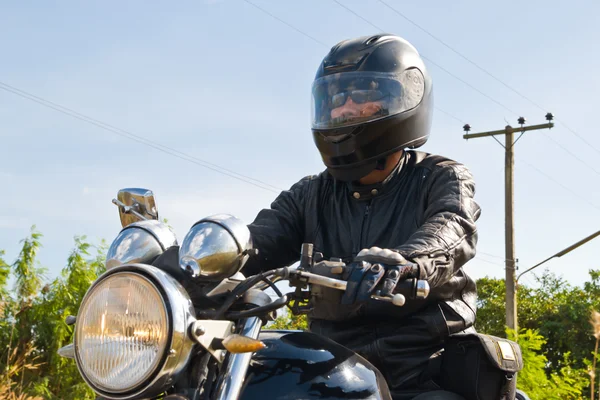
[{"x": 372, "y": 40}]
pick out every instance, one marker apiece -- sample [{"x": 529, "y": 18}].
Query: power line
[
  {"x": 571, "y": 153},
  {"x": 558, "y": 183},
  {"x": 490, "y": 255},
  {"x": 577, "y": 134},
  {"x": 459, "y": 78},
  {"x": 431, "y": 61},
  {"x": 139, "y": 139},
  {"x": 488, "y": 262},
  {"x": 286, "y": 23},
  {"x": 325, "y": 45},
  {"x": 376, "y": 27},
  {"x": 195, "y": 160},
  {"x": 483, "y": 70}
]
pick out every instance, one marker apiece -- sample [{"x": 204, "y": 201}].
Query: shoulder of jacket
[
  {"x": 311, "y": 180},
  {"x": 434, "y": 163}
]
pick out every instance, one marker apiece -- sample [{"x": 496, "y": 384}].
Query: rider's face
[{"x": 350, "y": 110}]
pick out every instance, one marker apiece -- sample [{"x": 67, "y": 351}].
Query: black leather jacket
[{"x": 425, "y": 210}]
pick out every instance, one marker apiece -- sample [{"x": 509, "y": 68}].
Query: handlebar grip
[
  {"x": 410, "y": 288},
  {"x": 413, "y": 289}
]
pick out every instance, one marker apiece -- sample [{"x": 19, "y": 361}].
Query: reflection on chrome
[
  {"x": 140, "y": 242},
  {"x": 215, "y": 248},
  {"x": 234, "y": 372}
]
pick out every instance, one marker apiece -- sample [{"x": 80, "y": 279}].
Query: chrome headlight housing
[
  {"x": 215, "y": 248},
  {"x": 140, "y": 242},
  {"x": 131, "y": 337}
]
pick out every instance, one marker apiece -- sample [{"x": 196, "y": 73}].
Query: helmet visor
[{"x": 352, "y": 98}]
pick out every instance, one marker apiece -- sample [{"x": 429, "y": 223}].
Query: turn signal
[{"x": 242, "y": 344}]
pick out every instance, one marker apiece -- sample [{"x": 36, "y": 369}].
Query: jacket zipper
[{"x": 362, "y": 228}]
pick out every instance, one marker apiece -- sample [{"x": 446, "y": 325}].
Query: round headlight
[
  {"x": 140, "y": 242},
  {"x": 127, "y": 316},
  {"x": 215, "y": 248},
  {"x": 131, "y": 331}
]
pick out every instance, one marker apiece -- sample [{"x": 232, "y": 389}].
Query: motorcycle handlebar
[{"x": 410, "y": 288}]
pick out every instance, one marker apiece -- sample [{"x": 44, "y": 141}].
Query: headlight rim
[{"x": 166, "y": 368}]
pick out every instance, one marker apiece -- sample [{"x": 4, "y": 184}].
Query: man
[{"x": 410, "y": 211}]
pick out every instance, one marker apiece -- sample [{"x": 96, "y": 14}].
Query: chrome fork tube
[{"x": 235, "y": 366}]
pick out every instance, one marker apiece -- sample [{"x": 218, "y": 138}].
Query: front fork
[{"x": 235, "y": 366}]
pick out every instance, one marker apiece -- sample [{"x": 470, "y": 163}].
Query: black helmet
[{"x": 386, "y": 72}]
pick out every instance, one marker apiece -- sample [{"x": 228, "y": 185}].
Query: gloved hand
[{"x": 376, "y": 269}]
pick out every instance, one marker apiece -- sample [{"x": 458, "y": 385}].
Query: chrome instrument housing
[
  {"x": 215, "y": 248},
  {"x": 140, "y": 242}
]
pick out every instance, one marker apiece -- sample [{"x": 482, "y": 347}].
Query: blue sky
[{"x": 228, "y": 84}]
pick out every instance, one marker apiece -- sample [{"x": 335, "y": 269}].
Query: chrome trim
[
  {"x": 235, "y": 368},
  {"x": 135, "y": 204},
  {"x": 67, "y": 351},
  {"x": 215, "y": 248},
  {"x": 422, "y": 289},
  {"x": 179, "y": 350},
  {"x": 235, "y": 226},
  {"x": 140, "y": 242},
  {"x": 227, "y": 285},
  {"x": 205, "y": 331}
]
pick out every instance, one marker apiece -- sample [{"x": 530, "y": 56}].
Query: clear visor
[{"x": 351, "y": 98}]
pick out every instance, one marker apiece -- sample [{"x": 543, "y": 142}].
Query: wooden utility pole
[{"x": 509, "y": 234}]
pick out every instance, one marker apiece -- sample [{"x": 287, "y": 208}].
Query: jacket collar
[{"x": 367, "y": 192}]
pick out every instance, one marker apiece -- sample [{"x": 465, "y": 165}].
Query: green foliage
[
  {"x": 33, "y": 329},
  {"x": 565, "y": 384},
  {"x": 557, "y": 310},
  {"x": 556, "y": 338},
  {"x": 289, "y": 321},
  {"x": 28, "y": 275},
  {"x": 4, "y": 273}
]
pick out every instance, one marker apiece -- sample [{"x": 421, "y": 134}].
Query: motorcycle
[{"x": 180, "y": 322}]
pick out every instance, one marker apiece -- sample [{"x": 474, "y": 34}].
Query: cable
[
  {"x": 286, "y": 23},
  {"x": 558, "y": 183},
  {"x": 455, "y": 76},
  {"x": 490, "y": 255},
  {"x": 577, "y": 134},
  {"x": 325, "y": 45},
  {"x": 431, "y": 61},
  {"x": 450, "y": 115},
  {"x": 468, "y": 84},
  {"x": 139, "y": 139},
  {"x": 484, "y": 70},
  {"x": 571, "y": 153},
  {"x": 489, "y": 262},
  {"x": 195, "y": 160}
]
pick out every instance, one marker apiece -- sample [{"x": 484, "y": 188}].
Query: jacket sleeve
[
  {"x": 278, "y": 231},
  {"x": 447, "y": 238}
]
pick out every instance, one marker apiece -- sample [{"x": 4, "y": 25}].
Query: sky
[{"x": 227, "y": 83}]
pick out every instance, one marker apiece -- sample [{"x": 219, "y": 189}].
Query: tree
[
  {"x": 33, "y": 325},
  {"x": 567, "y": 383},
  {"x": 557, "y": 338},
  {"x": 557, "y": 310},
  {"x": 289, "y": 321}
]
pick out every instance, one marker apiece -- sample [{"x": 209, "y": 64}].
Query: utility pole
[{"x": 509, "y": 161}]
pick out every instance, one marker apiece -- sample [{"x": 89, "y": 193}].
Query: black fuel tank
[{"x": 301, "y": 365}]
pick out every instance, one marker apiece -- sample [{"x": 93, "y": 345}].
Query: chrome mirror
[{"x": 135, "y": 204}]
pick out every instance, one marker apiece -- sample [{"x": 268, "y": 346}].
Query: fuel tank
[{"x": 302, "y": 365}]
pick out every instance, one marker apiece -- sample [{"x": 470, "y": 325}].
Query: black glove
[
  {"x": 376, "y": 268},
  {"x": 362, "y": 279}
]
